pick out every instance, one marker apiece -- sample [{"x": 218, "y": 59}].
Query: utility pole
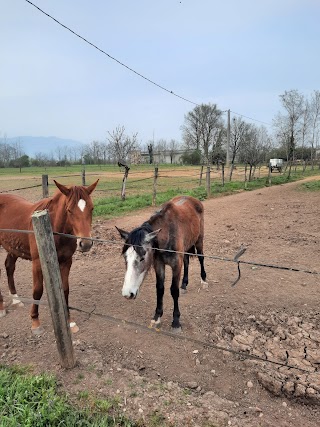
[{"x": 228, "y": 139}]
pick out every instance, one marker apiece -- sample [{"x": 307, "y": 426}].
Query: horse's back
[
  {"x": 15, "y": 214},
  {"x": 188, "y": 203},
  {"x": 15, "y": 211},
  {"x": 181, "y": 222}
]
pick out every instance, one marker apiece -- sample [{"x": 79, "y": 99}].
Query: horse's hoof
[
  {"x": 205, "y": 285},
  {"x": 3, "y": 313},
  {"x": 37, "y": 331},
  {"x": 176, "y": 330},
  {"x": 74, "y": 327},
  {"x": 16, "y": 303},
  {"x": 155, "y": 324},
  {"x": 183, "y": 291}
]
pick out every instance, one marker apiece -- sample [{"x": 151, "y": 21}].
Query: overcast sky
[{"x": 240, "y": 55}]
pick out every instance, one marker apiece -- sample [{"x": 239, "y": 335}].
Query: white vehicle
[{"x": 276, "y": 164}]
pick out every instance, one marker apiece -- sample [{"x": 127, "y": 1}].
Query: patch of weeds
[
  {"x": 310, "y": 186},
  {"x": 134, "y": 394},
  {"x": 108, "y": 381},
  {"x": 36, "y": 400},
  {"x": 157, "y": 419},
  {"x": 187, "y": 391},
  {"x": 79, "y": 379},
  {"x": 84, "y": 394}
]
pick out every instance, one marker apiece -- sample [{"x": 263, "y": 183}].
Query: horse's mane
[
  {"x": 160, "y": 213},
  {"x": 136, "y": 237}
]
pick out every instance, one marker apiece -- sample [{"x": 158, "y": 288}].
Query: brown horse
[
  {"x": 177, "y": 227},
  {"x": 70, "y": 211}
]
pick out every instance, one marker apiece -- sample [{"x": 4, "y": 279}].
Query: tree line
[{"x": 207, "y": 137}]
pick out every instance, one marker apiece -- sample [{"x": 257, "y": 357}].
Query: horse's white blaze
[
  {"x": 133, "y": 277},
  {"x": 82, "y": 204}
]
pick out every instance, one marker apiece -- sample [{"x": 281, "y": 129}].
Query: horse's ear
[
  {"x": 92, "y": 187},
  {"x": 123, "y": 234},
  {"x": 64, "y": 190},
  {"x": 152, "y": 235}
]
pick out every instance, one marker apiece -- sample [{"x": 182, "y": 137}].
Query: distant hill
[{"x": 32, "y": 145}]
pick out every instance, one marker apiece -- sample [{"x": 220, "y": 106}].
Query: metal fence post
[{"x": 52, "y": 279}]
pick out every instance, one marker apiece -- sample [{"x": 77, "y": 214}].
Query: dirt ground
[{"x": 177, "y": 381}]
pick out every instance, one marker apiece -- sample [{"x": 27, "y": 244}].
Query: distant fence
[{"x": 153, "y": 181}]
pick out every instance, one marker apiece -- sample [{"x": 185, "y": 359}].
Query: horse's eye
[{"x": 141, "y": 259}]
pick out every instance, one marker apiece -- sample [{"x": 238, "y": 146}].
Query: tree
[
  {"x": 202, "y": 128},
  {"x": 315, "y": 120},
  {"x": 289, "y": 125},
  {"x": 238, "y": 135},
  {"x": 121, "y": 145},
  {"x": 256, "y": 145},
  {"x": 173, "y": 147}
]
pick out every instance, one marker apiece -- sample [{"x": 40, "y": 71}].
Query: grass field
[{"x": 172, "y": 180}]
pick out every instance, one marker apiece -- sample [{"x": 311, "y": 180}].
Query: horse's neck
[{"x": 56, "y": 206}]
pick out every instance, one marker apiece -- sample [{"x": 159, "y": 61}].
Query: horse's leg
[
  {"x": 37, "y": 292},
  {"x": 185, "y": 278},
  {"x": 2, "y": 308},
  {"x": 10, "y": 264},
  {"x": 199, "y": 247},
  {"x": 160, "y": 276},
  {"x": 65, "y": 267},
  {"x": 176, "y": 274}
]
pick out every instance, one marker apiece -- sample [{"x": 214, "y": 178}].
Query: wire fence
[{"x": 243, "y": 355}]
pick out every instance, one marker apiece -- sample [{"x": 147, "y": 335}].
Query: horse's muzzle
[
  {"x": 84, "y": 245},
  {"x": 131, "y": 296}
]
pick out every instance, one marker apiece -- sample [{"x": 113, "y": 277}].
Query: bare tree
[
  {"x": 289, "y": 124},
  {"x": 315, "y": 120},
  {"x": 238, "y": 135},
  {"x": 256, "y": 144},
  {"x": 120, "y": 145},
  {"x": 201, "y": 128},
  {"x": 161, "y": 148},
  {"x": 305, "y": 126},
  {"x": 173, "y": 147}
]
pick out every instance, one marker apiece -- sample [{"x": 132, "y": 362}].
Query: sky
[{"x": 240, "y": 55}]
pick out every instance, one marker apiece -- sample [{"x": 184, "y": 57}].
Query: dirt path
[{"x": 272, "y": 313}]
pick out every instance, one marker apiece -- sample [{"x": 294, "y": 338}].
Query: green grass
[
  {"x": 110, "y": 207},
  {"x": 311, "y": 186},
  {"x": 28, "y": 400},
  {"x": 113, "y": 206}
]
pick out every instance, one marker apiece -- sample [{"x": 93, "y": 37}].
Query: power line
[
  {"x": 250, "y": 118},
  {"x": 126, "y": 66},
  {"x": 109, "y": 56}
]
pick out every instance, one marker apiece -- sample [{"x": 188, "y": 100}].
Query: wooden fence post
[
  {"x": 222, "y": 173},
  {"x": 245, "y": 176},
  {"x": 52, "y": 279},
  {"x": 83, "y": 173},
  {"x": 125, "y": 176},
  {"x": 201, "y": 173},
  {"x": 155, "y": 177},
  {"x": 269, "y": 175},
  {"x": 208, "y": 182},
  {"x": 45, "y": 186}
]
